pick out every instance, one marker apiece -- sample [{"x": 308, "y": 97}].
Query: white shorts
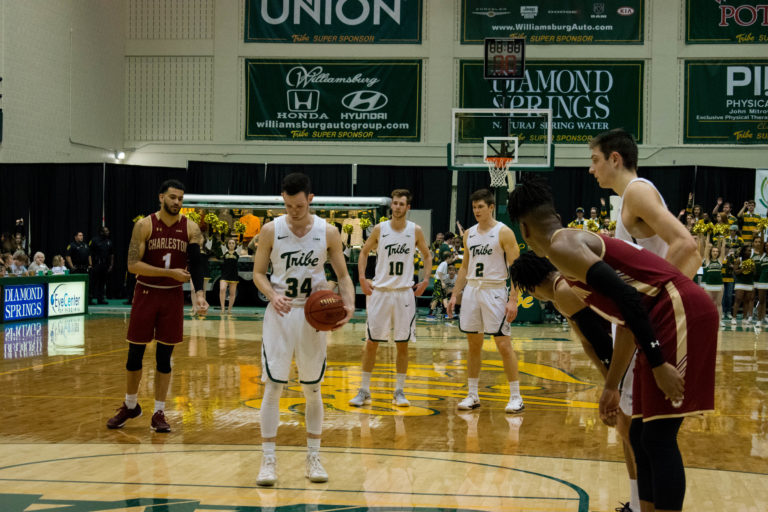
[
  {"x": 284, "y": 335},
  {"x": 713, "y": 287},
  {"x": 625, "y": 386},
  {"x": 744, "y": 287},
  {"x": 391, "y": 310},
  {"x": 761, "y": 286},
  {"x": 484, "y": 310}
]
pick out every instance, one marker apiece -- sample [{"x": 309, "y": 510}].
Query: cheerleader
[
  {"x": 229, "y": 276},
  {"x": 744, "y": 275},
  {"x": 761, "y": 278},
  {"x": 713, "y": 274}
]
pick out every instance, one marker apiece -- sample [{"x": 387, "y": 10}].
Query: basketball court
[{"x": 61, "y": 382}]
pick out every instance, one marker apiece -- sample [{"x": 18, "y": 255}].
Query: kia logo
[
  {"x": 626, "y": 11},
  {"x": 364, "y": 101}
]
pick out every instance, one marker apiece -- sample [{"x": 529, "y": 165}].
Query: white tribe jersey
[
  {"x": 655, "y": 243},
  {"x": 394, "y": 256},
  {"x": 487, "y": 261},
  {"x": 298, "y": 264}
]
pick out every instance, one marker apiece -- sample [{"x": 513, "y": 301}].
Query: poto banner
[
  {"x": 586, "y": 97},
  {"x": 553, "y": 21},
  {"x": 726, "y": 21},
  {"x": 726, "y": 102},
  {"x": 333, "y": 21},
  {"x": 333, "y": 100}
]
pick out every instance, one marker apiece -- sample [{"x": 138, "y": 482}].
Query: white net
[{"x": 498, "y": 167}]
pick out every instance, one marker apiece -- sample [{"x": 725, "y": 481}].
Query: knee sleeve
[
  {"x": 644, "y": 473},
  {"x": 163, "y": 357},
  {"x": 135, "y": 355},
  {"x": 659, "y": 439},
  {"x": 270, "y": 409},
  {"x": 314, "y": 411}
]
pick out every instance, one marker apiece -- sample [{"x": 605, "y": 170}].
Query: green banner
[
  {"x": 333, "y": 21},
  {"x": 333, "y": 100},
  {"x": 553, "y": 21},
  {"x": 726, "y": 102},
  {"x": 586, "y": 97},
  {"x": 726, "y": 22}
]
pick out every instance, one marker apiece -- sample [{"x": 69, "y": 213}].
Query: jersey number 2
[
  {"x": 479, "y": 270},
  {"x": 293, "y": 287}
]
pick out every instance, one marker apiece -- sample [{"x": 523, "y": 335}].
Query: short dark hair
[
  {"x": 620, "y": 141},
  {"x": 296, "y": 182},
  {"x": 402, "y": 192},
  {"x": 485, "y": 195},
  {"x": 529, "y": 271},
  {"x": 164, "y": 186},
  {"x": 531, "y": 195}
]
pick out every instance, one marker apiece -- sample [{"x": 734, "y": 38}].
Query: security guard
[
  {"x": 78, "y": 255},
  {"x": 102, "y": 259}
]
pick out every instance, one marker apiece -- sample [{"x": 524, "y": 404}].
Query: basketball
[{"x": 324, "y": 309}]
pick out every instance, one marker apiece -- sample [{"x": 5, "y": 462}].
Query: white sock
[
  {"x": 159, "y": 406},
  {"x": 268, "y": 448},
  {"x": 472, "y": 383},
  {"x": 634, "y": 496},
  {"x": 313, "y": 445},
  {"x": 514, "y": 389},
  {"x": 366, "y": 384},
  {"x": 131, "y": 401},
  {"x": 400, "y": 381}
]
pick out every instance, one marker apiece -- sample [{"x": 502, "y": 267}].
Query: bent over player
[
  {"x": 673, "y": 321},
  {"x": 391, "y": 298},
  {"x": 163, "y": 245},
  {"x": 296, "y": 245}
]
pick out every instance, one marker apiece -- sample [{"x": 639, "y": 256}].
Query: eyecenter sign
[
  {"x": 333, "y": 100},
  {"x": 333, "y": 21}
]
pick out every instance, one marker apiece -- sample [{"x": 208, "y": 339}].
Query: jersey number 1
[
  {"x": 167, "y": 260},
  {"x": 293, "y": 287}
]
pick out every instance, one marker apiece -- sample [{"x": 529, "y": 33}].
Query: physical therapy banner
[
  {"x": 726, "y": 102},
  {"x": 726, "y": 22},
  {"x": 333, "y": 21},
  {"x": 333, "y": 100},
  {"x": 586, "y": 97},
  {"x": 553, "y": 21}
]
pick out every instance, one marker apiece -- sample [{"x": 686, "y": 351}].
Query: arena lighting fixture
[{"x": 119, "y": 155}]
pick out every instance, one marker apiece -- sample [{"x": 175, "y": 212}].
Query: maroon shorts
[
  {"x": 685, "y": 322},
  {"x": 156, "y": 314}
]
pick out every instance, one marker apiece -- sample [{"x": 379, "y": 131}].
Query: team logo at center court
[{"x": 364, "y": 101}]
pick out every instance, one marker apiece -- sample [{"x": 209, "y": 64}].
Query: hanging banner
[
  {"x": 333, "y": 21},
  {"x": 586, "y": 97},
  {"x": 553, "y": 21},
  {"x": 726, "y": 102},
  {"x": 333, "y": 100},
  {"x": 761, "y": 192},
  {"x": 726, "y": 22}
]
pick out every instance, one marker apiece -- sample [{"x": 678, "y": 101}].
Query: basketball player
[
  {"x": 487, "y": 306},
  {"x": 391, "y": 302},
  {"x": 163, "y": 245},
  {"x": 672, "y": 319},
  {"x": 643, "y": 218},
  {"x": 295, "y": 245}
]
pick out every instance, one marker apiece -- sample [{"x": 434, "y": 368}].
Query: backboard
[{"x": 477, "y": 133}]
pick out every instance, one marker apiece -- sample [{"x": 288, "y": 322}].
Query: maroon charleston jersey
[
  {"x": 165, "y": 248},
  {"x": 684, "y": 320}
]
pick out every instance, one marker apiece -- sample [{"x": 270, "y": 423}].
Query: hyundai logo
[{"x": 364, "y": 101}]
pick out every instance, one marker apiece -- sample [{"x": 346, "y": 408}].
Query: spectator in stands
[
  {"x": 38, "y": 264},
  {"x": 78, "y": 255},
  {"x": 438, "y": 245},
  {"x": 57, "y": 264},
  {"x": 436, "y": 305},
  {"x": 19, "y": 243},
  {"x": 3, "y": 270},
  {"x": 579, "y": 221},
  {"x": 593, "y": 215},
  {"x": 603, "y": 208},
  {"x": 726, "y": 210},
  {"x": 457, "y": 249},
  {"x": 8, "y": 260},
  {"x": 19, "y": 265},
  {"x": 606, "y": 227},
  {"x": 101, "y": 259},
  {"x": 749, "y": 220},
  {"x": 6, "y": 242}
]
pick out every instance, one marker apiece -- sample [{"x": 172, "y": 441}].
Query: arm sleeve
[
  {"x": 196, "y": 268},
  {"x": 596, "y": 330},
  {"x": 604, "y": 280}
]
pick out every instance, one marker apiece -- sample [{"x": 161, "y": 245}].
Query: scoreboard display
[{"x": 504, "y": 58}]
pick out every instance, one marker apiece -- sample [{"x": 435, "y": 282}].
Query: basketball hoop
[{"x": 498, "y": 167}]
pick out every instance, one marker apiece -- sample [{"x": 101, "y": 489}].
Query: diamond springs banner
[
  {"x": 554, "y": 21},
  {"x": 333, "y": 100},
  {"x": 333, "y": 21},
  {"x": 586, "y": 97}
]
